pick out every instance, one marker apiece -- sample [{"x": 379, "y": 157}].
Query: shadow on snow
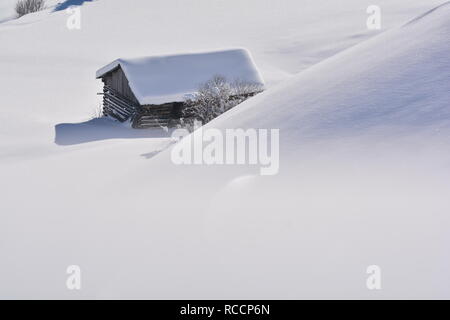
[{"x": 101, "y": 129}]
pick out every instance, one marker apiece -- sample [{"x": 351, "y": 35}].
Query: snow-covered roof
[{"x": 162, "y": 79}]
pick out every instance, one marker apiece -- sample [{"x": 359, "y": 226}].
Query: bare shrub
[
  {"x": 217, "y": 96},
  {"x": 24, "y": 7}
]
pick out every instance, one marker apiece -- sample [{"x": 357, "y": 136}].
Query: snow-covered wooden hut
[{"x": 151, "y": 90}]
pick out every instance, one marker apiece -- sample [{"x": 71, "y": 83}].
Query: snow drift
[
  {"x": 363, "y": 177},
  {"x": 392, "y": 84}
]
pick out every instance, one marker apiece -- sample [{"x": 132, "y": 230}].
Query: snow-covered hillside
[
  {"x": 8, "y": 13},
  {"x": 364, "y": 171},
  {"x": 7, "y": 9},
  {"x": 363, "y": 166},
  {"x": 390, "y": 84}
]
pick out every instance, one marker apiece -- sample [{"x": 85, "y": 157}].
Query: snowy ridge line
[{"x": 426, "y": 13}]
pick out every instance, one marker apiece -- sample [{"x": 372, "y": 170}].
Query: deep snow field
[{"x": 364, "y": 178}]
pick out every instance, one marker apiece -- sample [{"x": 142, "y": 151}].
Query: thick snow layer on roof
[{"x": 161, "y": 79}]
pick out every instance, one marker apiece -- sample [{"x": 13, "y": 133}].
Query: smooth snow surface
[
  {"x": 364, "y": 156},
  {"x": 7, "y": 9},
  {"x": 158, "y": 80}
]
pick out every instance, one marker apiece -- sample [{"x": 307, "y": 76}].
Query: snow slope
[
  {"x": 364, "y": 162},
  {"x": 403, "y": 89},
  {"x": 363, "y": 177},
  {"x": 283, "y": 38}
]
